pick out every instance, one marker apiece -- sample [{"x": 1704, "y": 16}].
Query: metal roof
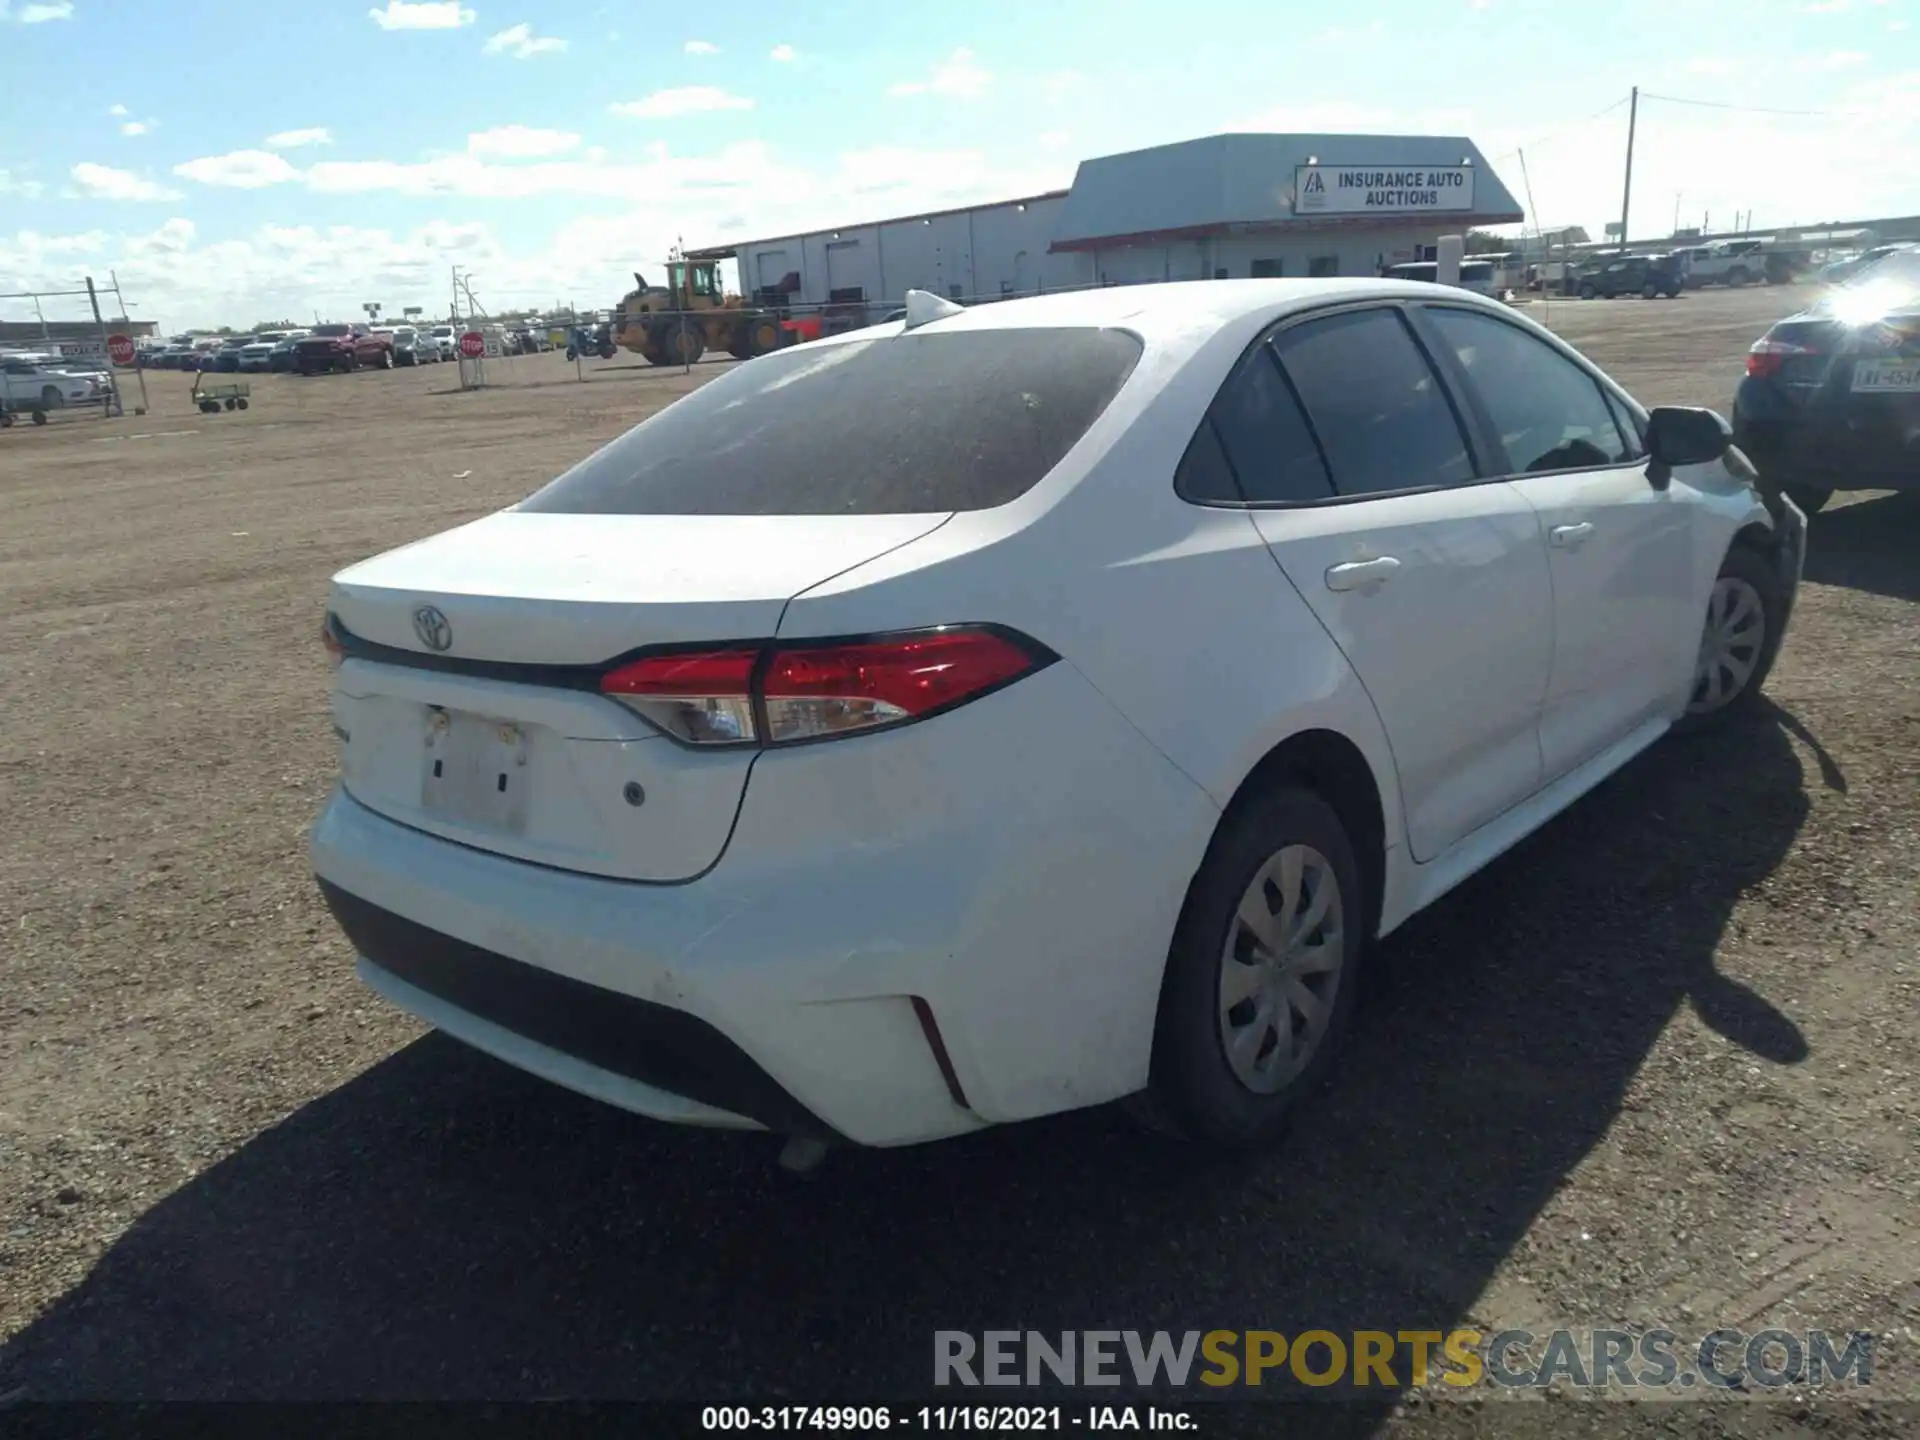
[
  {"x": 1246, "y": 181},
  {"x": 728, "y": 251}
]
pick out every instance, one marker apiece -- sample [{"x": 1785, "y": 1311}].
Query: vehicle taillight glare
[
  {"x": 331, "y": 642},
  {"x": 703, "y": 697},
  {"x": 1768, "y": 356},
  {"x": 815, "y": 691},
  {"x": 811, "y": 692}
]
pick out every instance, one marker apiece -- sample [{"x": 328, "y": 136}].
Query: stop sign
[
  {"x": 120, "y": 349},
  {"x": 473, "y": 344}
]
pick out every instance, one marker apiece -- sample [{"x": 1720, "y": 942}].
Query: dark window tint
[
  {"x": 1376, "y": 406},
  {"x": 1204, "y": 473},
  {"x": 1322, "y": 267},
  {"x": 910, "y": 424},
  {"x": 1550, "y": 413},
  {"x": 1268, "y": 269},
  {"x": 1266, "y": 437}
]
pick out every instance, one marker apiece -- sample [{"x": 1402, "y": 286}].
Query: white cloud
[
  {"x": 785, "y": 54},
  {"x": 588, "y": 253},
  {"x": 701, "y": 47},
  {"x": 519, "y": 142},
  {"x": 295, "y": 139},
  {"x": 957, "y": 76},
  {"x": 136, "y": 127},
  {"x": 239, "y": 170},
  {"x": 25, "y": 189},
  {"x": 37, "y": 14},
  {"x": 1833, "y": 60},
  {"x": 687, "y": 100},
  {"x": 1055, "y": 139},
  {"x": 103, "y": 182},
  {"x": 423, "y": 15},
  {"x": 521, "y": 43},
  {"x": 118, "y": 110}
]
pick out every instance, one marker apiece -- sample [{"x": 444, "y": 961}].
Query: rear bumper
[
  {"x": 1797, "y": 445},
  {"x": 1021, "y": 894}
]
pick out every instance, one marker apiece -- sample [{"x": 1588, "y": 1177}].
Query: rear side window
[
  {"x": 1550, "y": 413},
  {"x": 908, "y": 424},
  {"x": 1265, "y": 436},
  {"x": 1383, "y": 422}
]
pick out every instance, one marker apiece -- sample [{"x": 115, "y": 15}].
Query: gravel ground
[{"x": 1658, "y": 1065}]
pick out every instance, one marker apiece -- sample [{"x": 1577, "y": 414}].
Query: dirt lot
[{"x": 1657, "y": 1066}]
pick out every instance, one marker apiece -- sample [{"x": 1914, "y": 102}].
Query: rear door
[
  {"x": 1432, "y": 583},
  {"x": 1626, "y": 616}
]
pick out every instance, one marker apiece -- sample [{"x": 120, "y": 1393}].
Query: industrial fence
[{"x": 70, "y": 355}]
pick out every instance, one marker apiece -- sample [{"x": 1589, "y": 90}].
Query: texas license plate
[
  {"x": 475, "y": 771},
  {"x": 1883, "y": 377}
]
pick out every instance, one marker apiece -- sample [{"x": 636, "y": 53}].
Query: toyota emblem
[{"x": 432, "y": 628}]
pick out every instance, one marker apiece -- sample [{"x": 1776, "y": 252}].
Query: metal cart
[{"x": 223, "y": 395}]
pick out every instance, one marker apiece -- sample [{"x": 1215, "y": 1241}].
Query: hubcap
[
  {"x": 1280, "y": 970},
  {"x": 1730, "y": 645}
]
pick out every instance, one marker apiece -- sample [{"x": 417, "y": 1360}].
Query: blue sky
[{"x": 253, "y": 160}]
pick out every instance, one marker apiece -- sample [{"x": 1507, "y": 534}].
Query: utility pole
[{"x": 1626, "y": 196}]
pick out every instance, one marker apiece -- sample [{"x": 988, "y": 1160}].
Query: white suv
[{"x": 1066, "y": 738}]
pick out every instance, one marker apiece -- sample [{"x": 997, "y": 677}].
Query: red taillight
[
  {"x": 704, "y": 697},
  {"x": 335, "y": 654},
  {"x": 827, "y": 690},
  {"x": 1768, "y": 356},
  {"x": 810, "y": 692}
]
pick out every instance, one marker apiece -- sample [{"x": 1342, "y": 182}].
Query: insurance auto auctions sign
[{"x": 1381, "y": 190}]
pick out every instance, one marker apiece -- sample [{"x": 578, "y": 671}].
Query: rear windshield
[
  {"x": 331, "y": 332},
  {"x": 909, "y": 424}
]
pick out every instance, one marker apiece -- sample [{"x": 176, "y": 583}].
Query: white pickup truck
[
  {"x": 1730, "y": 262},
  {"x": 37, "y": 384}
]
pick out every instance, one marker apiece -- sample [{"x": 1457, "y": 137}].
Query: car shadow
[
  {"x": 442, "y": 1226},
  {"x": 1871, "y": 545}
]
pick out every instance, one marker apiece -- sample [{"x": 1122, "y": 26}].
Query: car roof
[{"x": 1173, "y": 309}]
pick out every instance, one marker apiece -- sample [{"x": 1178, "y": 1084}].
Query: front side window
[
  {"x": 1376, "y": 405},
  {"x": 907, "y": 424},
  {"x": 1550, "y": 413}
]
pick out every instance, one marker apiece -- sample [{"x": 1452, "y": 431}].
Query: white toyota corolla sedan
[{"x": 1018, "y": 708}]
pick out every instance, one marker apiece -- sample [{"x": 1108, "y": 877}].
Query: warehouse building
[{"x": 1226, "y": 206}]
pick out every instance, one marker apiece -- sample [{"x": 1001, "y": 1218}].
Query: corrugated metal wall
[{"x": 996, "y": 250}]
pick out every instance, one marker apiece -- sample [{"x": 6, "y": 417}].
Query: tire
[
  {"x": 1745, "y": 616},
  {"x": 1737, "y": 275},
  {"x": 52, "y": 399},
  {"x": 386, "y": 359},
  {"x": 1811, "y": 499},
  {"x": 39, "y": 417},
  {"x": 241, "y": 402},
  {"x": 1196, "y": 1089},
  {"x": 1587, "y": 291},
  {"x": 231, "y": 404}
]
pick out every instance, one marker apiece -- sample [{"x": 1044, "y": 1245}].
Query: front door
[
  {"x": 1626, "y": 616},
  {"x": 1433, "y": 583}
]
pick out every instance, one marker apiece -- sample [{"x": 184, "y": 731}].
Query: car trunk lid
[{"x": 467, "y": 705}]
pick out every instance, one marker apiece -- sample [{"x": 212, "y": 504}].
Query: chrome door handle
[
  {"x": 1362, "y": 574},
  {"x": 1570, "y": 537}
]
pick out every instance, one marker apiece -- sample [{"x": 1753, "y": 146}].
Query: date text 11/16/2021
[{"x": 877, "y": 1419}]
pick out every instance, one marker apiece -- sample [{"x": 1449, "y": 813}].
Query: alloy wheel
[
  {"x": 1280, "y": 969},
  {"x": 1730, "y": 646}
]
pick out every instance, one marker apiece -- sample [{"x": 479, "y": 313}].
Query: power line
[
  {"x": 1549, "y": 139},
  {"x": 1722, "y": 105}
]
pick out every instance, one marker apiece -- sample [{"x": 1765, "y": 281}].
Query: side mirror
[{"x": 1681, "y": 435}]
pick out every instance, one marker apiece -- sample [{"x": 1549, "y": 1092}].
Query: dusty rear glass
[{"x": 908, "y": 424}]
